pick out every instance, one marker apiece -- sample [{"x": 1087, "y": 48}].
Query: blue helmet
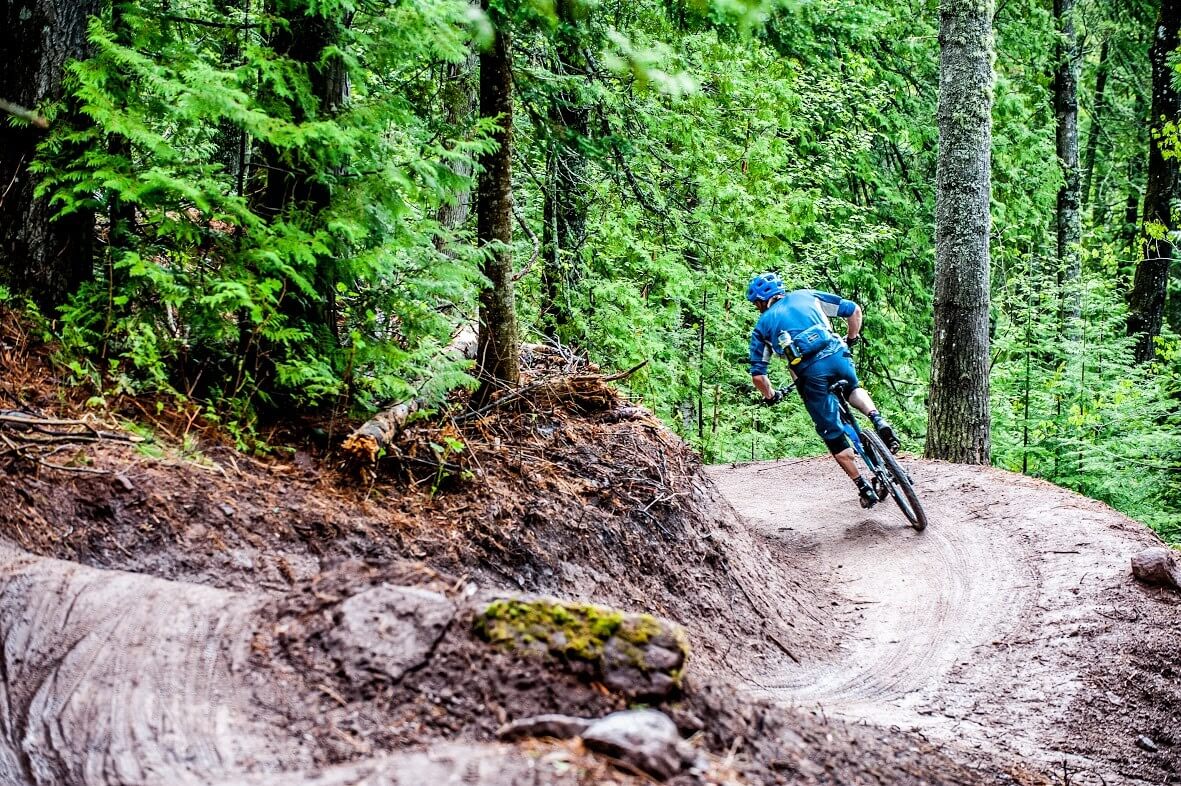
[{"x": 764, "y": 286}]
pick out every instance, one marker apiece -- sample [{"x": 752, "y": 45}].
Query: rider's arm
[
  {"x": 855, "y": 322},
  {"x": 760, "y": 359},
  {"x": 764, "y": 385},
  {"x": 836, "y": 306}
]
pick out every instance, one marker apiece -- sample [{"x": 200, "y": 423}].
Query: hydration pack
[{"x": 807, "y": 343}]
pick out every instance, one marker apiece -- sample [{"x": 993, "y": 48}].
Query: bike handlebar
[{"x": 780, "y": 393}]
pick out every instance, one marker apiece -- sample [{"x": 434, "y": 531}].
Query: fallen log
[
  {"x": 363, "y": 447},
  {"x": 559, "y": 378},
  {"x": 1157, "y": 566}
]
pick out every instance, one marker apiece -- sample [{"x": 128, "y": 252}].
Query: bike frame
[
  {"x": 853, "y": 431},
  {"x": 890, "y": 479}
]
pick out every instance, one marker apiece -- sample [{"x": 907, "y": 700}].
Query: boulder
[
  {"x": 645, "y": 739},
  {"x": 1157, "y": 566},
  {"x": 384, "y": 632},
  {"x": 637, "y": 655}
]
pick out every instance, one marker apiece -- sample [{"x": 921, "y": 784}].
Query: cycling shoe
[{"x": 868, "y": 497}]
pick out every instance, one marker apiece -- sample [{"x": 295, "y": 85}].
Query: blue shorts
[{"x": 813, "y": 383}]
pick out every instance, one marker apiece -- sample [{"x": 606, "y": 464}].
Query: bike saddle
[{"x": 838, "y": 387}]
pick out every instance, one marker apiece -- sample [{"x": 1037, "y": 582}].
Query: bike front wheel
[{"x": 897, "y": 481}]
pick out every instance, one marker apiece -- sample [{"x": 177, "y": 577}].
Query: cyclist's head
[{"x": 762, "y": 288}]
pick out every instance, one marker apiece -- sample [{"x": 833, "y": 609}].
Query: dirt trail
[{"x": 986, "y": 630}]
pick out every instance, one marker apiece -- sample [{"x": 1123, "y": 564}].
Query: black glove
[
  {"x": 775, "y": 399},
  {"x": 851, "y": 341}
]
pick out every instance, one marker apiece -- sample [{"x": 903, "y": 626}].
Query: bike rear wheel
[{"x": 897, "y": 481}]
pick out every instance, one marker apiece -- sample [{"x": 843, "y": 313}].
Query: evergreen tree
[
  {"x": 566, "y": 194},
  {"x": 1069, "y": 219},
  {"x": 41, "y": 253},
  {"x": 498, "y": 353},
  {"x": 959, "y": 413},
  {"x": 1147, "y": 297}
]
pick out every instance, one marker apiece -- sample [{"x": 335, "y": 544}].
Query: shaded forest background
[{"x": 266, "y": 207}]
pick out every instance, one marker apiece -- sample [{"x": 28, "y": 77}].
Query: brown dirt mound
[{"x": 566, "y": 490}]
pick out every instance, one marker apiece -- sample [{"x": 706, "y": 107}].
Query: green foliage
[
  {"x": 1078, "y": 411},
  {"x": 204, "y": 288},
  {"x": 270, "y": 243}
]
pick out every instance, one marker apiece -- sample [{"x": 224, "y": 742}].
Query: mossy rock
[{"x": 636, "y": 654}]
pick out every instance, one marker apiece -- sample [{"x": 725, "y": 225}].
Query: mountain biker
[{"x": 795, "y": 325}]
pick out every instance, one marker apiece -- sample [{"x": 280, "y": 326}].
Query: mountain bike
[{"x": 888, "y": 475}]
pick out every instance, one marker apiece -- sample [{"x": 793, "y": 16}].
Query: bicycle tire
[{"x": 908, "y": 500}]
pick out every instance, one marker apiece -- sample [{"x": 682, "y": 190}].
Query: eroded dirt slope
[{"x": 1010, "y": 626}]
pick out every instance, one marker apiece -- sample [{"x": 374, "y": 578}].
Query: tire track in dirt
[
  {"x": 973, "y": 632},
  {"x": 126, "y": 679}
]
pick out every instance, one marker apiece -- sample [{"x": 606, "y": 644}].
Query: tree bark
[
  {"x": 1147, "y": 298},
  {"x": 498, "y": 353},
  {"x": 459, "y": 103},
  {"x": 1068, "y": 218},
  {"x": 958, "y": 415},
  {"x": 1099, "y": 104},
  {"x": 40, "y": 256},
  {"x": 566, "y": 197},
  {"x": 295, "y": 180}
]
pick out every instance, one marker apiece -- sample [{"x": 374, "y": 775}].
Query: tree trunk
[
  {"x": 498, "y": 353},
  {"x": 233, "y": 142},
  {"x": 566, "y": 196},
  {"x": 295, "y": 180},
  {"x": 1097, "y": 109},
  {"x": 47, "y": 259},
  {"x": 1066, "y": 114},
  {"x": 566, "y": 203},
  {"x": 1147, "y": 298},
  {"x": 958, "y": 416},
  {"x": 1128, "y": 232},
  {"x": 459, "y": 102}
]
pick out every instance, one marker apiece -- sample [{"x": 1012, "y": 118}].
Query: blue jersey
[{"x": 792, "y": 313}]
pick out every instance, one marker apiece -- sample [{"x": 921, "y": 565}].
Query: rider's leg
[
  {"x": 822, "y": 406},
  {"x": 860, "y": 399},
  {"x": 845, "y": 459},
  {"x": 865, "y": 493}
]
